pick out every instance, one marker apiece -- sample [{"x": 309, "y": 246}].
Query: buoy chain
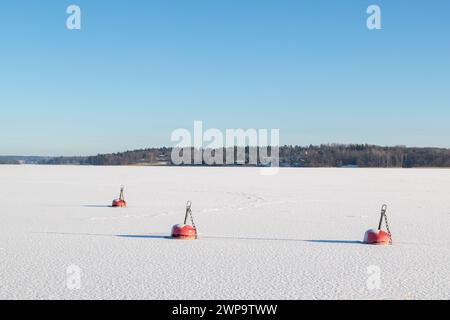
[
  {"x": 387, "y": 228},
  {"x": 191, "y": 216},
  {"x": 121, "y": 197},
  {"x": 384, "y": 217},
  {"x": 193, "y": 224}
]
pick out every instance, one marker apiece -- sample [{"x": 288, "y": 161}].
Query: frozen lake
[{"x": 294, "y": 235}]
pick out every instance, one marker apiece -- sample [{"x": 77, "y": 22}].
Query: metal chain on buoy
[
  {"x": 191, "y": 216},
  {"x": 384, "y": 216},
  {"x": 387, "y": 228},
  {"x": 121, "y": 197}
]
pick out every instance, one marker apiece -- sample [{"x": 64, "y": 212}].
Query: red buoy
[
  {"x": 185, "y": 231},
  {"x": 379, "y": 237},
  {"x": 120, "y": 203}
]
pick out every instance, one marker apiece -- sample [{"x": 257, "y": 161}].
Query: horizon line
[{"x": 284, "y": 145}]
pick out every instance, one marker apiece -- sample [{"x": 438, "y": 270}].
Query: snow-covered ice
[{"x": 294, "y": 235}]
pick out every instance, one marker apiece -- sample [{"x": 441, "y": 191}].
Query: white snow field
[{"x": 294, "y": 235}]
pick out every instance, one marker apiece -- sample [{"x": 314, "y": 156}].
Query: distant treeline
[
  {"x": 21, "y": 159},
  {"x": 7, "y": 161},
  {"x": 333, "y": 155}
]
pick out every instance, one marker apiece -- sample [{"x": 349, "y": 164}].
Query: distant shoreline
[
  {"x": 215, "y": 167},
  {"x": 322, "y": 156}
]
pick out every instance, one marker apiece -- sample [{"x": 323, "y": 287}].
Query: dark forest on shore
[{"x": 332, "y": 155}]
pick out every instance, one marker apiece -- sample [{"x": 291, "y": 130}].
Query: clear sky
[{"x": 137, "y": 70}]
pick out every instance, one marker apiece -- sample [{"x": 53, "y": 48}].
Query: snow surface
[{"x": 294, "y": 235}]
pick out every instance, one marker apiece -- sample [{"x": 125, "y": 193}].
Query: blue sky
[{"x": 137, "y": 70}]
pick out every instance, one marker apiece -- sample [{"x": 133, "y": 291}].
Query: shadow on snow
[{"x": 165, "y": 236}]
